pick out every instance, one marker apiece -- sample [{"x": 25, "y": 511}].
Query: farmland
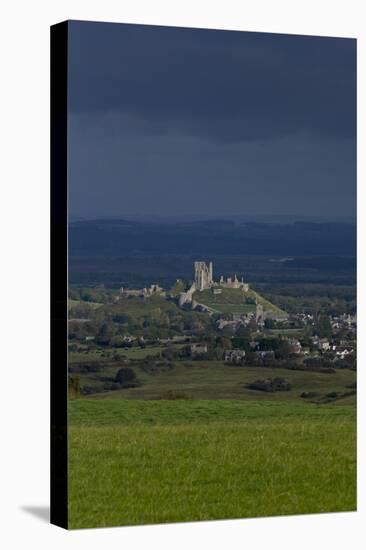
[
  {"x": 216, "y": 380},
  {"x": 203, "y": 460}
]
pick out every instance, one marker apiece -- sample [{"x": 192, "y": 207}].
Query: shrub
[
  {"x": 93, "y": 367},
  {"x": 270, "y": 385},
  {"x": 88, "y": 390},
  {"x": 111, "y": 386},
  {"x": 117, "y": 342},
  {"x": 126, "y": 377},
  {"x": 309, "y": 394},
  {"x": 73, "y": 347},
  {"x": 86, "y": 367}
]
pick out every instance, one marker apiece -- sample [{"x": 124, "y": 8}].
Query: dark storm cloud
[
  {"x": 167, "y": 121},
  {"x": 220, "y": 85}
]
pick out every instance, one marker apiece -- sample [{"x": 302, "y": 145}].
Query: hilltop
[
  {"x": 235, "y": 301},
  {"x": 230, "y": 296}
]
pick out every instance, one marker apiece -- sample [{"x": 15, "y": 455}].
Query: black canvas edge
[{"x": 59, "y": 268}]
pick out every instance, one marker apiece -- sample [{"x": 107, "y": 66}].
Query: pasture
[
  {"x": 136, "y": 462},
  {"x": 201, "y": 379}
]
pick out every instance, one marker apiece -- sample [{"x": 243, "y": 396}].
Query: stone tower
[{"x": 203, "y": 275}]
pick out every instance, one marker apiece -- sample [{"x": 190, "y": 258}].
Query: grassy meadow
[
  {"x": 213, "y": 379},
  {"x": 148, "y": 461}
]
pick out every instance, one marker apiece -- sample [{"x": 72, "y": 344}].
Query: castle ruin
[
  {"x": 203, "y": 275},
  {"x": 203, "y": 280},
  {"x": 153, "y": 290}
]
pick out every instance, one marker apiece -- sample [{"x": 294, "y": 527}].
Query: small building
[
  {"x": 269, "y": 354},
  {"x": 295, "y": 345},
  {"x": 198, "y": 349},
  {"x": 344, "y": 353},
  {"x": 254, "y": 345},
  {"x": 234, "y": 355},
  {"x": 129, "y": 339},
  {"x": 323, "y": 344}
]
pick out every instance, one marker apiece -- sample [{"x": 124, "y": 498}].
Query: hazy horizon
[{"x": 234, "y": 218}]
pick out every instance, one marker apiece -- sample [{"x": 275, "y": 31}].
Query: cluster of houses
[
  {"x": 257, "y": 318},
  {"x": 322, "y": 345},
  {"x": 345, "y": 321},
  {"x": 253, "y": 319},
  {"x": 234, "y": 355},
  {"x": 335, "y": 348},
  {"x": 342, "y": 349}
]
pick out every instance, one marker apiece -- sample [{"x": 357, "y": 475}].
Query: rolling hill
[{"x": 235, "y": 300}]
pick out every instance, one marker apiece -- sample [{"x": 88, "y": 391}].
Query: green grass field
[
  {"x": 135, "y": 461},
  {"x": 232, "y": 300},
  {"x": 217, "y": 380},
  {"x": 137, "y": 307}
]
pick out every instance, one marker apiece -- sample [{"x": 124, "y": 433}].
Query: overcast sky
[{"x": 172, "y": 122}]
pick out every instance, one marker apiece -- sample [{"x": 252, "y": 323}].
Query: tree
[
  {"x": 252, "y": 359},
  {"x": 169, "y": 352},
  {"x": 224, "y": 343},
  {"x": 244, "y": 332},
  {"x": 105, "y": 333},
  {"x": 284, "y": 350},
  {"x": 74, "y": 386},
  {"x": 218, "y": 353},
  {"x": 268, "y": 344},
  {"x": 125, "y": 376},
  {"x": 270, "y": 385},
  {"x": 323, "y": 327},
  {"x": 117, "y": 342}
]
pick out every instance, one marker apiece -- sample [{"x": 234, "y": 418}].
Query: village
[
  {"x": 161, "y": 326},
  {"x": 261, "y": 334},
  {"x": 265, "y": 340}
]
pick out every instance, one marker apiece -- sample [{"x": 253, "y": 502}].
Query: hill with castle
[
  {"x": 231, "y": 297},
  {"x": 226, "y": 296}
]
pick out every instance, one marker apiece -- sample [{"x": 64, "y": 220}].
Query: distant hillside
[{"x": 114, "y": 238}]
